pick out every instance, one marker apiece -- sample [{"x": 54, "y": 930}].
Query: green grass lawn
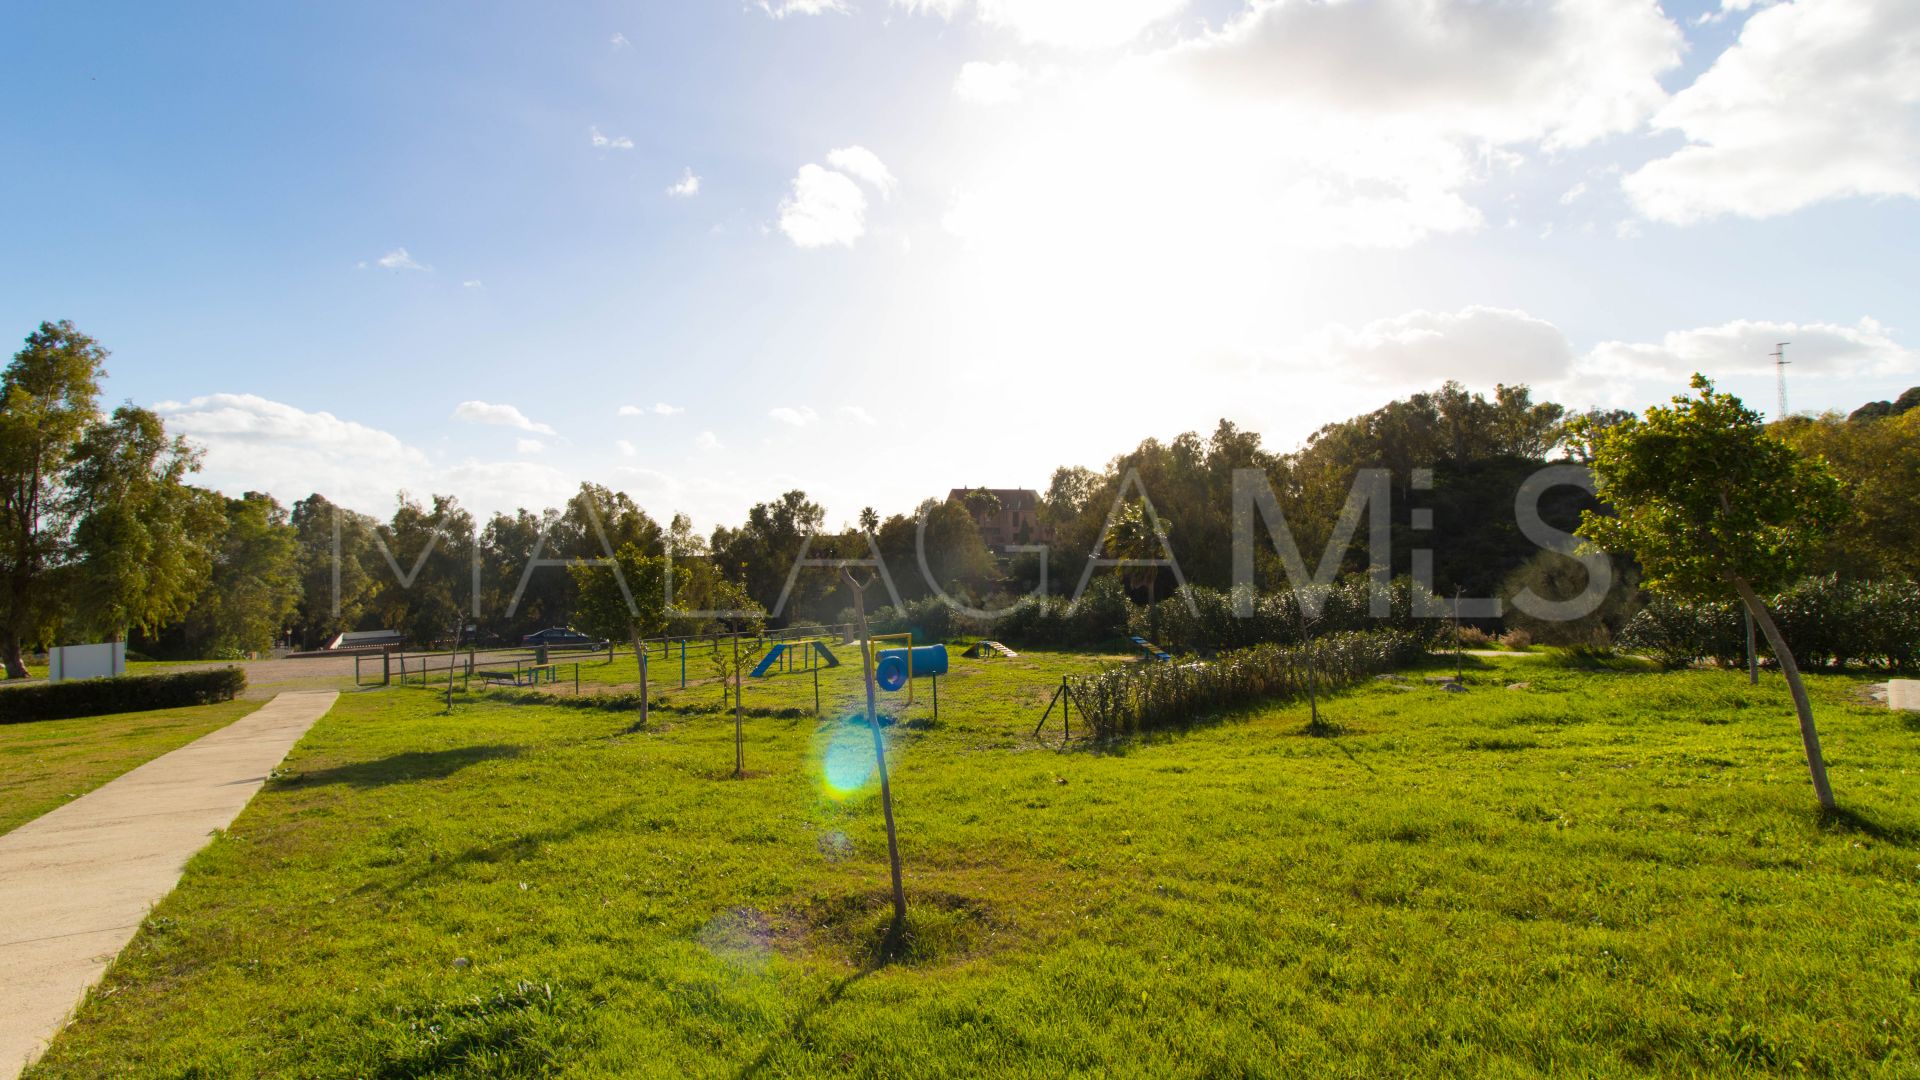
[
  {"x": 48, "y": 763},
  {"x": 1597, "y": 873}
]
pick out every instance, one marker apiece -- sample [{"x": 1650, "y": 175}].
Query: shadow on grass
[
  {"x": 1844, "y": 820},
  {"x": 403, "y": 768},
  {"x": 791, "y": 1036}
]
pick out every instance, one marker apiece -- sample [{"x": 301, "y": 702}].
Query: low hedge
[{"x": 126, "y": 693}]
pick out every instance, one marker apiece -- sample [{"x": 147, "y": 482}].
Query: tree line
[{"x": 103, "y": 536}]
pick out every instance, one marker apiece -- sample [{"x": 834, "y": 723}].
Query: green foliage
[
  {"x": 1346, "y": 606},
  {"x": 1880, "y": 463},
  {"x": 1703, "y": 495},
  {"x": 624, "y": 603},
  {"x": 253, "y": 588},
  {"x": 123, "y": 694},
  {"x": 1554, "y": 577},
  {"x": 1830, "y": 620},
  {"x": 143, "y": 542},
  {"x": 1128, "y": 699}
]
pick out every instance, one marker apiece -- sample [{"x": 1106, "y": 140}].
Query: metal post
[
  {"x": 683, "y": 663},
  {"x": 576, "y": 679},
  {"x": 739, "y": 737},
  {"x": 643, "y": 690},
  {"x": 936, "y": 697},
  {"x": 386, "y": 667},
  {"x": 1753, "y": 656},
  {"x": 816, "y": 691}
]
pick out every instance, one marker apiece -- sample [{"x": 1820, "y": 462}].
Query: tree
[
  {"x": 335, "y": 561},
  {"x": 46, "y": 406},
  {"x": 255, "y": 584},
  {"x": 1712, "y": 504},
  {"x": 143, "y": 540},
  {"x": 869, "y": 520},
  {"x": 1879, "y": 459},
  {"x": 1134, "y": 539},
  {"x": 628, "y": 606}
]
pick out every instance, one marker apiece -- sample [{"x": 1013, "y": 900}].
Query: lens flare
[{"x": 846, "y": 763}]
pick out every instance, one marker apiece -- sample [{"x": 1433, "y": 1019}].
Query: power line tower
[{"x": 1780, "y": 363}]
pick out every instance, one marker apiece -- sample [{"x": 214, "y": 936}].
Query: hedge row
[
  {"x": 126, "y": 693},
  {"x": 1193, "y": 619},
  {"x": 1131, "y": 698},
  {"x": 1826, "y": 621}
]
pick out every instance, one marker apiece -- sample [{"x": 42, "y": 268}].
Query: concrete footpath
[
  {"x": 77, "y": 882},
  {"x": 1904, "y": 694}
]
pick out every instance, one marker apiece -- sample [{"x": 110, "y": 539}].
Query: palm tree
[
  {"x": 869, "y": 520},
  {"x": 1133, "y": 537}
]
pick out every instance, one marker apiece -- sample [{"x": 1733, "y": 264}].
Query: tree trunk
[
  {"x": 1809, "y": 735},
  {"x": 10, "y": 655}
]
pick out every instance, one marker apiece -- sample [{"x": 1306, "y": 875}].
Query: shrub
[
  {"x": 1130, "y": 698},
  {"x": 1472, "y": 637},
  {"x": 126, "y": 693},
  {"x": 1826, "y": 620},
  {"x": 1518, "y": 640}
]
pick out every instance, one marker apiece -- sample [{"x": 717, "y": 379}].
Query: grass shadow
[
  {"x": 1842, "y": 819},
  {"x": 402, "y": 768}
]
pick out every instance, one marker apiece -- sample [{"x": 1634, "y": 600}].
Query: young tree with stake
[{"x": 1713, "y": 505}]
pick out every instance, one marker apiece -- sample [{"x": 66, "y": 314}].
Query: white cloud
[
  {"x": 627, "y": 449},
  {"x": 1565, "y": 71},
  {"x": 826, "y": 208},
  {"x": 856, "y": 414},
  {"x": 480, "y": 412},
  {"x": 528, "y": 446},
  {"x": 473, "y": 283},
  {"x": 1814, "y": 101},
  {"x": 605, "y": 142},
  {"x": 780, "y": 9},
  {"x": 1479, "y": 346},
  {"x": 707, "y": 440},
  {"x": 798, "y": 417},
  {"x": 686, "y": 187},
  {"x": 1074, "y": 24},
  {"x": 1573, "y": 194},
  {"x": 1743, "y": 347},
  {"x": 398, "y": 259},
  {"x": 864, "y": 165},
  {"x": 659, "y": 408},
  {"x": 984, "y": 83},
  {"x": 618, "y": 40},
  {"x": 253, "y": 443}
]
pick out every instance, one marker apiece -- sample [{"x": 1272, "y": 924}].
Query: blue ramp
[
  {"x": 767, "y": 661},
  {"x": 826, "y": 654}
]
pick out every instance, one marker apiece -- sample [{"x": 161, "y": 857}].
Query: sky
[{"x": 708, "y": 251}]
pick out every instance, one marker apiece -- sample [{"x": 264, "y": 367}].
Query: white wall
[{"x": 67, "y": 662}]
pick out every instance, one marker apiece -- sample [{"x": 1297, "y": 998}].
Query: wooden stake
[{"x": 879, "y": 752}]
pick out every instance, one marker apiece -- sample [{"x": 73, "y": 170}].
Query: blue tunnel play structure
[{"x": 890, "y": 669}]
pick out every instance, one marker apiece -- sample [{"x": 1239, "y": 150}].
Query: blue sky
[{"x": 438, "y": 247}]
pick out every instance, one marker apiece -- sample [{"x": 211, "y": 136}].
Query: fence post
[
  {"x": 643, "y": 691},
  {"x": 386, "y": 666}
]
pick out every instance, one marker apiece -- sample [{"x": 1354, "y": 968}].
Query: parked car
[{"x": 561, "y": 637}]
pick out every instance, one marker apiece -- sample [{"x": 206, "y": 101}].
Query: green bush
[
  {"x": 126, "y": 693},
  {"x": 1826, "y": 621},
  {"x": 1130, "y": 698}
]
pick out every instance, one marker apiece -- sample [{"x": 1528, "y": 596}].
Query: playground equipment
[
  {"x": 895, "y": 667},
  {"x": 800, "y": 657},
  {"x": 1151, "y": 651},
  {"x": 988, "y": 649}
]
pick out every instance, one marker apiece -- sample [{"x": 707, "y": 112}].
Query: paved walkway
[
  {"x": 1904, "y": 694},
  {"x": 76, "y": 882}
]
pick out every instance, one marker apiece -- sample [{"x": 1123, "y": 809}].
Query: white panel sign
[{"x": 68, "y": 662}]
